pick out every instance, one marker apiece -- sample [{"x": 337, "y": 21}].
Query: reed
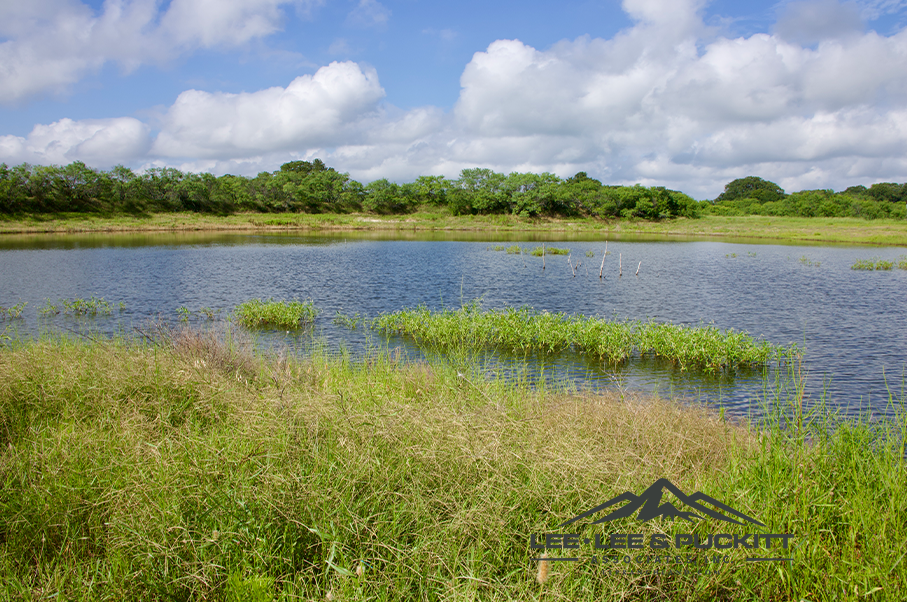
[{"x": 276, "y": 314}]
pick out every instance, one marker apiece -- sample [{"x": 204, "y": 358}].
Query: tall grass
[
  {"x": 523, "y": 330},
  {"x": 188, "y": 468},
  {"x": 275, "y": 314}
]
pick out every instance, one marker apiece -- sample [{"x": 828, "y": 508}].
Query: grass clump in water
[
  {"x": 539, "y": 251},
  {"x": 191, "y": 469},
  {"x": 79, "y": 307},
  {"x": 523, "y": 330},
  {"x": 14, "y": 311},
  {"x": 275, "y": 314},
  {"x": 873, "y": 264}
]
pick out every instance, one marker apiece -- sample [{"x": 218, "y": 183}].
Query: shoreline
[{"x": 794, "y": 230}]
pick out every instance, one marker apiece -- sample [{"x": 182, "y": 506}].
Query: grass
[
  {"x": 546, "y": 250},
  {"x": 877, "y": 264},
  {"x": 346, "y": 320},
  {"x": 191, "y": 469},
  {"x": 13, "y": 311},
  {"x": 812, "y": 230},
  {"x": 92, "y": 307},
  {"x": 275, "y": 314},
  {"x": 523, "y": 330}
]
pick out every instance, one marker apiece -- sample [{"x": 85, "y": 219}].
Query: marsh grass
[
  {"x": 546, "y": 250},
  {"x": 14, "y": 311},
  {"x": 95, "y": 306},
  {"x": 876, "y": 264},
  {"x": 183, "y": 467},
  {"x": 347, "y": 321},
  {"x": 276, "y": 314},
  {"x": 523, "y": 330}
]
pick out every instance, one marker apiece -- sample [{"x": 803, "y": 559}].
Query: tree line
[
  {"x": 313, "y": 187},
  {"x": 755, "y": 196}
]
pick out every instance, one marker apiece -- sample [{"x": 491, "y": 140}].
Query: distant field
[{"x": 789, "y": 229}]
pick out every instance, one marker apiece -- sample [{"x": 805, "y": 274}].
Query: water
[{"x": 853, "y": 324}]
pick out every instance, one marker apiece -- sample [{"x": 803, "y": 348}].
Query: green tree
[{"x": 751, "y": 187}]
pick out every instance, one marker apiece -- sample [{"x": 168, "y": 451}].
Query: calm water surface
[{"x": 853, "y": 324}]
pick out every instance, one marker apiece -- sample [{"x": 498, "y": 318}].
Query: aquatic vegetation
[
  {"x": 807, "y": 261},
  {"x": 590, "y": 253},
  {"x": 13, "y": 312},
  {"x": 875, "y": 264},
  {"x": 902, "y": 262},
  {"x": 184, "y": 313},
  {"x": 523, "y": 330},
  {"x": 513, "y": 250},
  {"x": 79, "y": 307},
  {"x": 539, "y": 251},
  {"x": 275, "y": 314},
  {"x": 347, "y": 321}
]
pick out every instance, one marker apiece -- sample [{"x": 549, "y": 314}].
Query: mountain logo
[{"x": 650, "y": 506}]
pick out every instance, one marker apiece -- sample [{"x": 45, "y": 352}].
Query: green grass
[
  {"x": 13, "y": 311},
  {"x": 877, "y": 264},
  {"x": 546, "y": 250},
  {"x": 92, "y": 307},
  {"x": 192, "y": 469},
  {"x": 523, "y": 330},
  {"x": 346, "y": 320},
  {"x": 275, "y": 314},
  {"x": 885, "y": 232}
]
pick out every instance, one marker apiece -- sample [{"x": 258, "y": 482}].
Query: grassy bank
[
  {"x": 192, "y": 469},
  {"x": 818, "y": 230}
]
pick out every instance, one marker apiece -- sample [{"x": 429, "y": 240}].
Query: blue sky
[{"x": 682, "y": 93}]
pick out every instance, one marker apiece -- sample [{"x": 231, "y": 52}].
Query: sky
[{"x": 687, "y": 94}]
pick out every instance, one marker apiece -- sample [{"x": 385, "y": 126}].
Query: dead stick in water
[
  {"x": 543, "y": 256},
  {"x": 637, "y": 268},
  {"x": 602, "y": 269},
  {"x": 620, "y": 264}
]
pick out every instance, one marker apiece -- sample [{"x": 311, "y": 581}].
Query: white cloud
[
  {"x": 98, "y": 142},
  {"x": 52, "y": 44},
  {"x": 369, "y": 13},
  {"x": 313, "y": 110}
]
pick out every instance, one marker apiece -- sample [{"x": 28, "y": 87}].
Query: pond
[{"x": 852, "y": 324}]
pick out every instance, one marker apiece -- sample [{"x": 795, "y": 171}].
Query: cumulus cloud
[
  {"x": 811, "y": 21},
  {"x": 313, "y": 110},
  {"x": 98, "y": 142},
  {"x": 51, "y": 44}
]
